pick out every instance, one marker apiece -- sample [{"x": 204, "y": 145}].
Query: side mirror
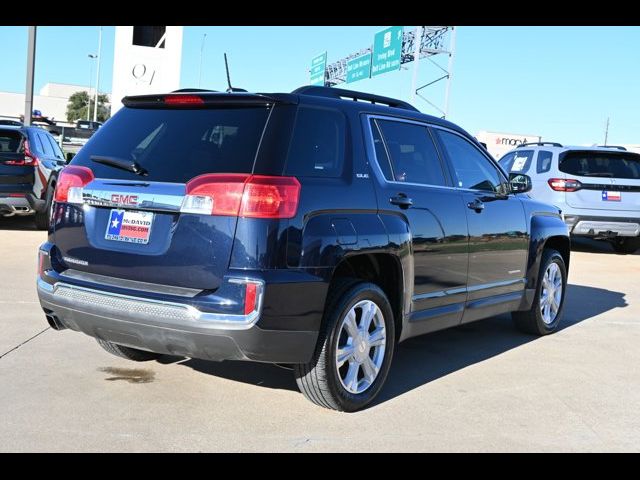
[
  {"x": 519, "y": 183},
  {"x": 70, "y": 156}
]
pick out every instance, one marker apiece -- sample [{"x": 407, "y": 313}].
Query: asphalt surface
[{"x": 480, "y": 387}]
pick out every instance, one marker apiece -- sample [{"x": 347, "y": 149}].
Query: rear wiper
[
  {"x": 601, "y": 174},
  {"x": 129, "y": 165}
]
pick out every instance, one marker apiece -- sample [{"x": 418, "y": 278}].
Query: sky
[{"x": 558, "y": 82}]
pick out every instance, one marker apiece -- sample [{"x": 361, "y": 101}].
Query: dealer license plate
[{"x": 129, "y": 226}]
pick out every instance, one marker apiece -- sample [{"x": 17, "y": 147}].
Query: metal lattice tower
[{"x": 434, "y": 40}]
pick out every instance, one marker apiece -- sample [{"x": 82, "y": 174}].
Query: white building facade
[{"x": 52, "y": 101}]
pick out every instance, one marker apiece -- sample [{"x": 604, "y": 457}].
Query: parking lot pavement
[{"x": 479, "y": 387}]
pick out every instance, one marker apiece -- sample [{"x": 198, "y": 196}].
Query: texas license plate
[
  {"x": 609, "y": 196},
  {"x": 129, "y": 226}
]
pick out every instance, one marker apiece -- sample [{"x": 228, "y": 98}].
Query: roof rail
[
  {"x": 184, "y": 90},
  {"x": 529, "y": 144},
  {"x": 340, "y": 93},
  {"x": 617, "y": 147}
]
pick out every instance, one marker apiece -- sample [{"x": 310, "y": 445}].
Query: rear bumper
[
  {"x": 10, "y": 206},
  {"x": 169, "y": 327},
  {"x": 602, "y": 227}
]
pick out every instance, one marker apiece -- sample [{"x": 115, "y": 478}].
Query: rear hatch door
[
  {"x": 15, "y": 175},
  {"x": 130, "y": 225},
  {"x": 610, "y": 180}
]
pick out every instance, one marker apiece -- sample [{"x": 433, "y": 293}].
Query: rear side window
[
  {"x": 381, "y": 152},
  {"x": 10, "y": 142},
  {"x": 472, "y": 169},
  {"x": 54, "y": 147},
  {"x": 175, "y": 145},
  {"x": 518, "y": 161},
  {"x": 544, "y": 161},
  {"x": 601, "y": 164},
  {"x": 46, "y": 146},
  {"x": 414, "y": 157},
  {"x": 318, "y": 144}
]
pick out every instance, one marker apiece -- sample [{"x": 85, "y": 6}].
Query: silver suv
[{"x": 597, "y": 188}]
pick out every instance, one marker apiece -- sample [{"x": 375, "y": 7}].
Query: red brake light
[
  {"x": 250, "y": 297},
  {"x": 183, "y": 100},
  {"x": 214, "y": 194},
  {"x": 72, "y": 178},
  {"x": 29, "y": 158},
  {"x": 564, "y": 185},
  {"x": 252, "y": 196},
  {"x": 270, "y": 197}
]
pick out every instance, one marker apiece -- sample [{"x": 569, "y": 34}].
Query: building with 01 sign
[{"x": 146, "y": 61}]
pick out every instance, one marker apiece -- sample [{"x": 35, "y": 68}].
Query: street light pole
[
  {"x": 95, "y": 104},
  {"x": 91, "y": 57},
  {"x": 200, "y": 68},
  {"x": 31, "y": 60}
]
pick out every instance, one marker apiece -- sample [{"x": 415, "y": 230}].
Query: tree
[{"x": 80, "y": 101}]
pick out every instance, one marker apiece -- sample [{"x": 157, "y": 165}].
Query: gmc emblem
[{"x": 124, "y": 199}]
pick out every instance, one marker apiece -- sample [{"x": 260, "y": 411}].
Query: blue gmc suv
[{"x": 316, "y": 229}]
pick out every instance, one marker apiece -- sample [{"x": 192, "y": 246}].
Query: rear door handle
[
  {"x": 476, "y": 205},
  {"x": 401, "y": 200}
]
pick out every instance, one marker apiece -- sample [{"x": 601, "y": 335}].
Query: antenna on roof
[{"x": 230, "y": 89}]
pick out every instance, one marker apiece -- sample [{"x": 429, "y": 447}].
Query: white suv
[{"x": 597, "y": 188}]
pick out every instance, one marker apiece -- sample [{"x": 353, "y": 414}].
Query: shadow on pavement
[
  {"x": 588, "y": 245},
  {"x": 421, "y": 360},
  {"x": 17, "y": 223}
]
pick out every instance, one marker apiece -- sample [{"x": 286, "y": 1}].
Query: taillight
[
  {"x": 70, "y": 183},
  {"x": 213, "y": 194},
  {"x": 564, "y": 185},
  {"x": 252, "y": 196},
  {"x": 29, "y": 158},
  {"x": 183, "y": 100},
  {"x": 270, "y": 197}
]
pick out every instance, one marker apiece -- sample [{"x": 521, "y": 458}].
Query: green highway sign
[
  {"x": 318, "y": 66},
  {"x": 359, "y": 68},
  {"x": 387, "y": 51}
]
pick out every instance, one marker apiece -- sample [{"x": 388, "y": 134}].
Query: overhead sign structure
[
  {"x": 387, "y": 51},
  {"x": 318, "y": 66},
  {"x": 359, "y": 68}
]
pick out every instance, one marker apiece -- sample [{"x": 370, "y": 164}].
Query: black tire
[
  {"x": 531, "y": 321},
  {"x": 318, "y": 380},
  {"x": 43, "y": 218},
  {"x": 127, "y": 352},
  {"x": 626, "y": 244}
]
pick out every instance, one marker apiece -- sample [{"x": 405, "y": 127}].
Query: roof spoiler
[{"x": 207, "y": 98}]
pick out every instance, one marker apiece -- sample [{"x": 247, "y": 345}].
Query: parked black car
[
  {"x": 30, "y": 160},
  {"x": 316, "y": 229}
]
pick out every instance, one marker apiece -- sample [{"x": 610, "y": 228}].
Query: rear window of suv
[
  {"x": 175, "y": 145},
  {"x": 601, "y": 164},
  {"x": 10, "y": 141}
]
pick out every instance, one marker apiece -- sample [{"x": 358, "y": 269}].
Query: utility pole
[
  {"x": 606, "y": 132},
  {"x": 95, "y": 104},
  {"x": 91, "y": 57},
  {"x": 200, "y": 68},
  {"x": 452, "y": 51},
  {"x": 31, "y": 61},
  {"x": 416, "y": 61}
]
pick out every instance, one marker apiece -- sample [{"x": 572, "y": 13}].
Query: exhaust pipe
[{"x": 53, "y": 321}]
